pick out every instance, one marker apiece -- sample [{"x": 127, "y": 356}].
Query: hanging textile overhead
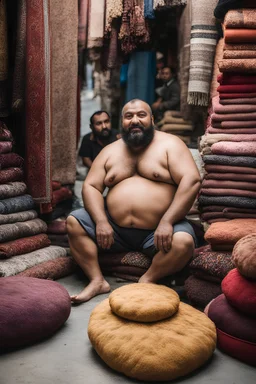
[
  {"x": 82, "y": 23},
  {"x": 64, "y": 23},
  {"x": 202, "y": 50},
  {"x": 3, "y": 60},
  {"x": 18, "y": 93},
  {"x": 96, "y": 23},
  {"x": 114, "y": 9},
  {"x": 38, "y": 124}
]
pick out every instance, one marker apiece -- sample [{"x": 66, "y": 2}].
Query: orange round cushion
[
  {"x": 144, "y": 302},
  {"x": 240, "y": 292},
  {"x": 152, "y": 351},
  {"x": 244, "y": 256}
]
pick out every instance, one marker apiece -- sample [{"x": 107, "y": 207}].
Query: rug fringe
[{"x": 197, "y": 98}]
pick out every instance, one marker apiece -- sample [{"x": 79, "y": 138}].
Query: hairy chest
[{"x": 152, "y": 166}]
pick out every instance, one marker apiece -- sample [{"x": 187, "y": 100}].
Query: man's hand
[
  {"x": 163, "y": 236},
  {"x": 104, "y": 235}
]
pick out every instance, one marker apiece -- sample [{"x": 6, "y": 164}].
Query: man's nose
[
  {"x": 135, "y": 119},
  {"x": 103, "y": 125}
]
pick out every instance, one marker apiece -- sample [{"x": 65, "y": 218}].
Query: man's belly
[{"x": 137, "y": 202}]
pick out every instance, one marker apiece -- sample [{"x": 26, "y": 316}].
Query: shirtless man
[{"x": 153, "y": 181}]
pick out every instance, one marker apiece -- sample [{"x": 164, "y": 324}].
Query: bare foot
[
  {"x": 94, "y": 288},
  {"x": 144, "y": 279}
]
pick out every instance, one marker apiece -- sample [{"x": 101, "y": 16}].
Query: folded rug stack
[
  {"x": 234, "y": 311},
  {"x": 228, "y": 147},
  {"x": 173, "y": 123},
  {"x": 23, "y": 240},
  {"x": 128, "y": 266},
  {"x": 207, "y": 269}
]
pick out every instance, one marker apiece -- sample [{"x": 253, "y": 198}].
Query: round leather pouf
[
  {"x": 152, "y": 351},
  {"x": 240, "y": 292},
  {"x": 31, "y": 309},
  {"x": 244, "y": 256},
  {"x": 232, "y": 321}
]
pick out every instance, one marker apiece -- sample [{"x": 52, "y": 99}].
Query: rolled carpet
[
  {"x": 243, "y": 131},
  {"x": 228, "y": 201},
  {"x": 239, "y": 35},
  {"x": 229, "y": 169},
  {"x": 24, "y": 245},
  {"x": 22, "y": 229},
  {"x": 61, "y": 240},
  {"x": 240, "y": 18},
  {"x": 233, "y": 116},
  {"x": 11, "y": 174},
  {"x": 201, "y": 292},
  {"x": 239, "y": 55},
  {"x": 61, "y": 194},
  {"x": 231, "y": 124},
  {"x": 230, "y": 232},
  {"x": 12, "y": 189},
  {"x": 228, "y": 184},
  {"x": 5, "y": 134},
  {"x": 5, "y": 146},
  {"x": 234, "y": 149},
  {"x": 230, "y": 160},
  {"x": 241, "y": 100},
  {"x": 239, "y": 47},
  {"x": 228, "y": 192},
  {"x": 11, "y": 159},
  {"x": 52, "y": 269},
  {"x": 232, "y": 176},
  {"x": 233, "y": 78},
  {"x": 237, "y": 88},
  {"x": 236, "y": 108},
  {"x": 17, "y": 217},
  {"x": 17, "y": 264},
  {"x": 238, "y": 65},
  {"x": 16, "y": 204}
]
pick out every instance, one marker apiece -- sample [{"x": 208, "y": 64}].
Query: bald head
[{"x": 137, "y": 103}]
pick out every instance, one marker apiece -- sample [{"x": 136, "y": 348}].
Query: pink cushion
[
  {"x": 240, "y": 292},
  {"x": 31, "y": 309},
  {"x": 231, "y": 321},
  {"x": 237, "y": 348},
  {"x": 244, "y": 256}
]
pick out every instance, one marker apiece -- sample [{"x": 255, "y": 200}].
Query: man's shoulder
[{"x": 169, "y": 139}]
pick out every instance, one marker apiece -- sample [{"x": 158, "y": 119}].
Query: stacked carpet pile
[
  {"x": 234, "y": 311},
  {"x": 61, "y": 204},
  {"x": 128, "y": 266},
  {"x": 212, "y": 262},
  {"x": 173, "y": 123},
  {"x": 24, "y": 245},
  {"x": 228, "y": 147}
]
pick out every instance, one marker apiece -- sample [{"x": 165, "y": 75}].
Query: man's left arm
[{"x": 184, "y": 172}]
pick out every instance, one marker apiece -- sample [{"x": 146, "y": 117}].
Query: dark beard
[
  {"x": 135, "y": 140},
  {"x": 104, "y": 135}
]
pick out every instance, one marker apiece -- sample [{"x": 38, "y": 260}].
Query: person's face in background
[
  {"x": 101, "y": 126},
  {"x": 166, "y": 74}
]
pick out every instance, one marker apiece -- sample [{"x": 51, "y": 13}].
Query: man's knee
[
  {"x": 73, "y": 227},
  {"x": 183, "y": 243}
]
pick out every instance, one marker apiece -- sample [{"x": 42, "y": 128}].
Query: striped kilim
[{"x": 203, "y": 42}]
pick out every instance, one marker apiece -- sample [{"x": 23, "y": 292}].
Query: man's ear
[{"x": 152, "y": 119}]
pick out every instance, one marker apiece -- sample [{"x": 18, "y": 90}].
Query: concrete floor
[{"x": 68, "y": 357}]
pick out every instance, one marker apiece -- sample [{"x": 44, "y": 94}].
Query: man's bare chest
[{"x": 152, "y": 167}]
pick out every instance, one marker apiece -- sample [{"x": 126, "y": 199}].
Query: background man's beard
[
  {"x": 138, "y": 139},
  {"x": 103, "y": 135}
]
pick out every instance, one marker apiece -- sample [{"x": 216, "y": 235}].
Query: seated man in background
[
  {"x": 153, "y": 181},
  {"x": 169, "y": 94},
  {"x": 100, "y": 136}
]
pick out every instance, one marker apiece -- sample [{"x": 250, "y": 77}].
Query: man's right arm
[{"x": 92, "y": 191}]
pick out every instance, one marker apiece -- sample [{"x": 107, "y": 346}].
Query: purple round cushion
[
  {"x": 240, "y": 292},
  {"x": 231, "y": 321},
  {"x": 31, "y": 309}
]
